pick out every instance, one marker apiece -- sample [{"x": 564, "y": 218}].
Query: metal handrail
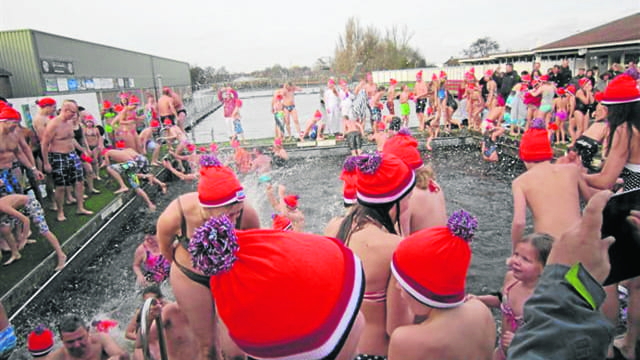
[{"x": 145, "y": 326}]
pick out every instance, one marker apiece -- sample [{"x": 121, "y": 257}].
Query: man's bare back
[
  {"x": 177, "y": 101},
  {"x": 552, "y": 193},
  {"x": 166, "y": 106}
]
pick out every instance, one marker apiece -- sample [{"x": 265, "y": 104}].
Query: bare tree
[{"x": 481, "y": 47}]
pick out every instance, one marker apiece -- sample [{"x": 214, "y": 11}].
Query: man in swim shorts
[
  {"x": 290, "y": 112},
  {"x": 421, "y": 91},
  {"x": 354, "y": 132},
  {"x": 181, "y": 112},
  {"x": 60, "y": 159},
  {"x": 166, "y": 107}
]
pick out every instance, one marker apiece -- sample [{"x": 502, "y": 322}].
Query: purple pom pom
[
  {"x": 213, "y": 246},
  {"x": 462, "y": 225},
  {"x": 209, "y": 161},
  {"x": 40, "y": 329},
  {"x": 368, "y": 164},
  {"x": 404, "y": 131},
  {"x": 633, "y": 72},
  {"x": 350, "y": 164},
  {"x": 538, "y": 123}
]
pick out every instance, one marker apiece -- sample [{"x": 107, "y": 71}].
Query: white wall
[{"x": 28, "y": 108}]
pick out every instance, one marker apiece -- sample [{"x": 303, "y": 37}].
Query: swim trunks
[
  {"x": 561, "y": 115},
  {"x": 420, "y": 106},
  {"x": 237, "y": 126},
  {"x": 34, "y": 209},
  {"x": 289, "y": 108},
  {"x": 10, "y": 184},
  {"x": 170, "y": 117},
  {"x": 278, "y": 116},
  {"x": 360, "y": 106},
  {"x": 376, "y": 114},
  {"x": 7, "y": 342},
  {"x": 66, "y": 169},
  {"x": 354, "y": 140},
  {"x": 405, "y": 110},
  {"x": 131, "y": 168},
  {"x": 587, "y": 148}
]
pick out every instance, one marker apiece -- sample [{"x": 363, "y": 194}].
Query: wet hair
[
  {"x": 424, "y": 176},
  {"x": 70, "y": 323},
  {"x": 362, "y": 215},
  {"x": 542, "y": 243},
  {"x": 153, "y": 289},
  {"x": 524, "y": 72},
  {"x": 619, "y": 114}
]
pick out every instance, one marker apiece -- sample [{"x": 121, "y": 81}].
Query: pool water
[{"x": 106, "y": 287}]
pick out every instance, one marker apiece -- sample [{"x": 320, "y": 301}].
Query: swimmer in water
[
  {"x": 287, "y": 205},
  {"x": 79, "y": 343}
]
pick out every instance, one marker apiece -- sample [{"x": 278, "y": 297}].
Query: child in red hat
[
  {"x": 315, "y": 127},
  {"x": 287, "y": 205},
  {"x": 372, "y": 229},
  {"x": 219, "y": 192},
  {"x": 551, "y": 191},
  {"x": 583, "y": 102},
  {"x": 431, "y": 268},
  {"x": 354, "y": 132}
]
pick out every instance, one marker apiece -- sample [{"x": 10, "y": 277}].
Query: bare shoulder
[
  {"x": 333, "y": 226},
  {"x": 408, "y": 342},
  {"x": 250, "y": 218},
  {"x": 56, "y": 355}
]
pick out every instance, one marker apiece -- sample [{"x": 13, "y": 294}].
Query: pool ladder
[{"x": 145, "y": 327}]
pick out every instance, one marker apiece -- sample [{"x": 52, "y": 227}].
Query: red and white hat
[
  {"x": 302, "y": 305},
  {"x": 535, "y": 145},
  {"x": 133, "y": 100},
  {"x": 291, "y": 201},
  {"x": 46, "y": 102},
  {"x": 218, "y": 185},
  {"x": 317, "y": 114},
  {"x": 40, "y": 341},
  {"x": 432, "y": 264},
  {"x": 349, "y": 177},
  {"x": 622, "y": 89},
  {"x": 583, "y": 81},
  {"x": 7, "y": 113},
  {"x": 383, "y": 178},
  {"x": 281, "y": 222},
  {"x": 404, "y": 146}
]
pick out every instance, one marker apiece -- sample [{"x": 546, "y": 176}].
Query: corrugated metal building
[{"x": 42, "y": 63}]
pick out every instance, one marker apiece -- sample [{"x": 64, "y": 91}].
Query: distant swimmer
[
  {"x": 166, "y": 107},
  {"x": 180, "y": 110},
  {"x": 228, "y": 96},
  {"x": 421, "y": 92}
]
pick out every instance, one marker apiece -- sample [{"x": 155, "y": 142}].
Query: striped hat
[
  {"x": 382, "y": 178},
  {"x": 281, "y": 222},
  {"x": 7, "y": 113},
  {"x": 40, "y": 341},
  {"x": 431, "y": 264},
  {"x": 349, "y": 177},
  {"x": 302, "y": 305},
  {"x": 218, "y": 185},
  {"x": 622, "y": 89}
]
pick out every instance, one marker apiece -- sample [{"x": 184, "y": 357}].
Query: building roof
[
  {"x": 5, "y": 73},
  {"x": 619, "y": 31}
]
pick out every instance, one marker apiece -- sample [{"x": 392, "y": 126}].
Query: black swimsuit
[{"x": 184, "y": 242}]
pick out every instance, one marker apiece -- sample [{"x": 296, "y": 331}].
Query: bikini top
[
  {"x": 507, "y": 310},
  {"x": 156, "y": 266}
]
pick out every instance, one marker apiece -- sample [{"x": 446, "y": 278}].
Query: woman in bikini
[
  {"x": 372, "y": 230},
  {"x": 149, "y": 265},
  {"x": 127, "y": 123},
  {"x": 561, "y": 109},
  {"x": 525, "y": 267},
  {"x": 219, "y": 193},
  {"x": 580, "y": 122}
]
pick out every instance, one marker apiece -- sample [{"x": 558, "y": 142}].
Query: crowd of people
[{"x": 373, "y": 285}]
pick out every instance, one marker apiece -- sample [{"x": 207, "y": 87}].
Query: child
[
  {"x": 315, "y": 127},
  {"x": 354, "y": 132},
  {"x": 237, "y": 125},
  {"x": 561, "y": 109},
  {"x": 9, "y": 205},
  {"x": 405, "y": 110},
  {"x": 525, "y": 267},
  {"x": 286, "y": 206},
  {"x": 551, "y": 191}
]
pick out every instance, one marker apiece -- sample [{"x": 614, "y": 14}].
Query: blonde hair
[{"x": 424, "y": 175}]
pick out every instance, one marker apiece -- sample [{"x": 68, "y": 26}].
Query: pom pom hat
[
  {"x": 281, "y": 222},
  {"x": 405, "y": 147},
  {"x": 40, "y": 341},
  {"x": 291, "y": 201},
  {"x": 622, "y": 89},
  {"x": 349, "y": 177},
  {"x": 289, "y": 295},
  {"x": 383, "y": 178},
  {"x": 431, "y": 264},
  {"x": 535, "y": 145},
  {"x": 218, "y": 185}
]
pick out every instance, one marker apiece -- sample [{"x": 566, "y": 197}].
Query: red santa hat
[
  {"x": 238, "y": 103},
  {"x": 443, "y": 74},
  {"x": 331, "y": 81},
  {"x": 544, "y": 78},
  {"x": 488, "y": 73},
  {"x": 434, "y": 77},
  {"x": 118, "y": 108},
  {"x": 583, "y": 81},
  {"x": 218, "y": 185},
  {"x": 383, "y": 178},
  {"x": 571, "y": 89},
  {"x": 622, "y": 89},
  {"x": 380, "y": 126},
  {"x": 40, "y": 341},
  {"x": 535, "y": 145},
  {"x": 166, "y": 90},
  {"x": 561, "y": 91},
  {"x": 46, "y": 102},
  {"x": 133, "y": 100},
  {"x": 432, "y": 264},
  {"x": 291, "y": 201},
  {"x": 7, "y": 113},
  {"x": 154, "y": 123},
  {"x": 120, "y": 144},
  {"x": 598, "y": 96},
  {"x": 393, "y": 81},
  {"x": 526, "y": 78},
  {"x": 106, "y": 105},
  {"x": 405, "y": 147},
  {"x": 342, "y": 82},
  {"x": 419, "y": 75},
  {"x": 317, "y": 114},
  {"x": 302, "y": 305},
  {"x": 349, "y": 177},
  {"x": 281, "y": 222}
]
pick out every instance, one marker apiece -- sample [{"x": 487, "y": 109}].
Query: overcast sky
[{"x": 250, "y": 35}]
